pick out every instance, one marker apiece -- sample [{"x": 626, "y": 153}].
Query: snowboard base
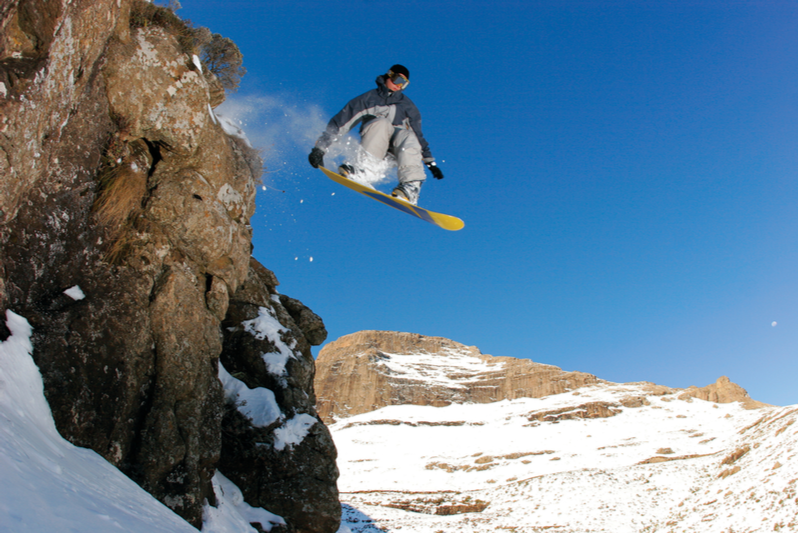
[{"x": 447, "y": 222}]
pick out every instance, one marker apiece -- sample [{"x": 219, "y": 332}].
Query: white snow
[
  {"x": 257, "y": 404},
  {"x": 230, "y": 127},
  {"x": 399, "y": 463},
  {"x": 197, "y": 63},
  {"x": 266, "y": 326},
  {"x": 75, "y": 293},
  {"x": 232, "y": 513},
  {"x": 293, "y": 431},
  {"x": 450, "y": 367},
  {"x": 371, "y": 172},
  {"x": 722, "y": 468},
  {"x": 48, "y": 484}
]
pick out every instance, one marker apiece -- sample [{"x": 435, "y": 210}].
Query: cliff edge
[{"x": 125, "y": 242}]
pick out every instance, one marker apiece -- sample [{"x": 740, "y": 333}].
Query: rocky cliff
[
  {"x": 368, "y": 370},
  {"x": 365, "y": 371},
  {"x": 125, "y": 242}
]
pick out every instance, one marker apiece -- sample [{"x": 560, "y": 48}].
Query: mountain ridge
[
  {"x": 573, "y": 453},
  {"x": 370, "y": 369}
]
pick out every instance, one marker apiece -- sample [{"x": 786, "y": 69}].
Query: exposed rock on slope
[
  {"x": 602, "y": 456},
  {"x": 368, "y": 370},
  {"x": 669, "y": 464},
  {"x": 115, "y": 177},
  {"x": 723, "y": 391},
  {"x": 364, "y": 371}
]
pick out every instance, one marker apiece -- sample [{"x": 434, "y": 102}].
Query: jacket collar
[{"x": 384, "y": 91}]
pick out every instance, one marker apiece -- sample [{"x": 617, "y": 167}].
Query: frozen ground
[
  {"x": 668, "y": 465},
  {"x": 449, "y": 367}
]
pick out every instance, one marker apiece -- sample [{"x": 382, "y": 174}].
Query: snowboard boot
[
  {"x": 408, "y": 191},
  {"x": 398, "y": 192}
]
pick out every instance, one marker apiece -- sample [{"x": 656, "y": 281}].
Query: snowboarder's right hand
[
  {"x": 316, "y": 157},
  {"x": 436, "y": 171}
]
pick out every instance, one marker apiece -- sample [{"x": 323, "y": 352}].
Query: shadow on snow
[{"x": 358, "y": 522}]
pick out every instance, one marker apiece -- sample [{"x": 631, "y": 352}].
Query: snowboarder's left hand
[
  {"x": 436, "y": 171},
  {"x": 316, "y": 157}
]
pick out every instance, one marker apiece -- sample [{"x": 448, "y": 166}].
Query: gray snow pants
[{"x": 379, "y": 137}]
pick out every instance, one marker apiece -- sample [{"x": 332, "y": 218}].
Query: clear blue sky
[{"x": 627, "y": 172}]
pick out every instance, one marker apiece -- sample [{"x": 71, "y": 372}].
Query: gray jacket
[{"x": 377, "y": 103}]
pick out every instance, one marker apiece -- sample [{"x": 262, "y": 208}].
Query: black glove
[
  {"x": 436, "y": 171},
  {"x": 316, "y": 157}
]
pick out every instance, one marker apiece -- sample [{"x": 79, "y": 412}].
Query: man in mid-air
[{"x": 390, "y": 124}]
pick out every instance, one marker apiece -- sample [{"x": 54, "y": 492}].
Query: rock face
[
  {"x": 723, "y": 391},
  {"x": 115, "y": 177},
  {"x": 365, "y": 371},
  {"x": 368, "y": 370},
  {"x": 287, "y": 478}
]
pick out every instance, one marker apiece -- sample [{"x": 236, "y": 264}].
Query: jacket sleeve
[
  {"x": 344, "y": 120},
  {"x": 415, "y": 121}
]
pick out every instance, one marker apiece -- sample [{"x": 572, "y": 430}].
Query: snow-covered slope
[
  {"x": 50, "y": 485},
  {"x": 451, "y": 367},
  {"x": 607, "y": 458},
  {"x": 615, "y": 458}
]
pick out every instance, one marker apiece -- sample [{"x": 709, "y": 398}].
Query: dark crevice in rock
[
  {"x": 155, "y": 148},
  {"x": 5, "y": 333},
  {"x": 16, "y": 73}
]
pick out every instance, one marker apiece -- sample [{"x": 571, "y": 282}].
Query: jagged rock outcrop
[
  {"x": 117, "y": 179},
  {"x": 368, "y": 370},
  {"x": 723, "y": 391},
  {"x": 287, "y": 478},
  {"x": 365, "y": 371}
]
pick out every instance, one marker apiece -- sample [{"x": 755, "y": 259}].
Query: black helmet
[{"x": 399, "y": 69}]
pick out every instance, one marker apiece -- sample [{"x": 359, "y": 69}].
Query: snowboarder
[{"x": 391, "y": 124}]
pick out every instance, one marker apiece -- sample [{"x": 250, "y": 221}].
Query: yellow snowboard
[{"x": 443, "y": 221}]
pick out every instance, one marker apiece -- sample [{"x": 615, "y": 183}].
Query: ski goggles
[{"x": 398, "y": 79}]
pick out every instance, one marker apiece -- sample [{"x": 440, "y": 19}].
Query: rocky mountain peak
[
  {"x": 396, "y": 342},
  {"x": 368, "y": 370},
  {"x": 723, "y": 391}
]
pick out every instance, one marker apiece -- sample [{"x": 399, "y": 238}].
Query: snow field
[
  {"x": 449, "y": 367},
  {"x": 49, "y": 484},
  {"x": 595, "y": 475},
  {"x": 520, "y": 448},
  {"x": 723, "y": 469}
]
